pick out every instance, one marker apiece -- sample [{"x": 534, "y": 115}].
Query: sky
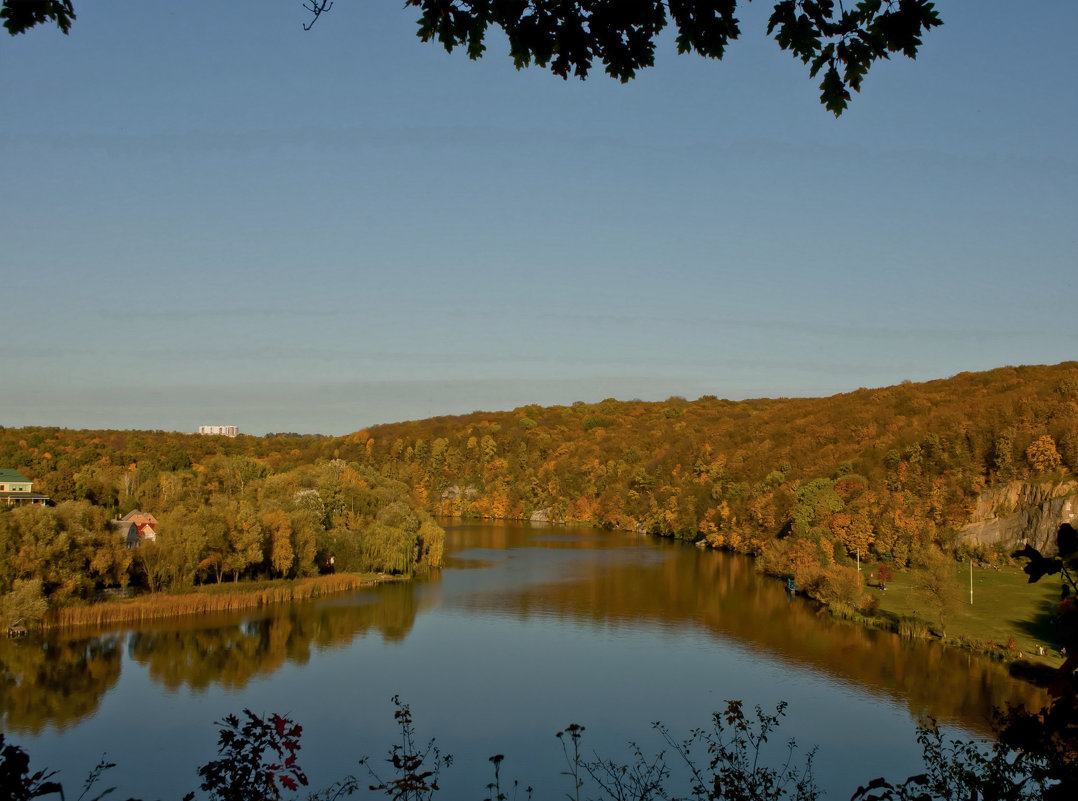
[{"x": 211, "y": 216}]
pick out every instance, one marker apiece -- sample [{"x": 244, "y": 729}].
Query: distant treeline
[{"x": 806, "y": 483}]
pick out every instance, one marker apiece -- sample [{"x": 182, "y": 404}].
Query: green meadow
[{"x": 1004, "y": 606}]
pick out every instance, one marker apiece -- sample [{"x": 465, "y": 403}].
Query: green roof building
[{"x": 17, "y": 488}]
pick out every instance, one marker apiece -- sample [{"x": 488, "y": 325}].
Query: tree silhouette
[{"x": 571, "y": 36}]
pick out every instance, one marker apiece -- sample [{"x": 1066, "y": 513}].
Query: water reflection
[
  {"x": 670, "y": 585},
  {"x": 55, "y": 682},
  {"x": 588, "y": 578},
  {"x": 190, "y": 654}
]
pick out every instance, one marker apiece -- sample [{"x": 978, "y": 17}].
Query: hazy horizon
[{"x": 289, "y": 397}]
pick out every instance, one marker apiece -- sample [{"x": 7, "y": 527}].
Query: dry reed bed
[{"x": 152, "y": 607}]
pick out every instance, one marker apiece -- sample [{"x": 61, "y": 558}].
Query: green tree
[
  {"x": 182, "y": 541},
  {"x": 25, "y": 603},
  {"x": 211, "y": 521},
  {"x": 153, "y": 559},
  {"x": 389, "y": 549},
  {"x": 431, "y": 544},
  {"x": 9, "y": 544},
  {"x": 245, "y": 540},
  {"x": 307, "y": 528},
  {"x": 243, "y": 471},
  {"x": 937, "y": 587},
  {"x": 816, "y": 502},
  {"x": 1003, "y": 455}
]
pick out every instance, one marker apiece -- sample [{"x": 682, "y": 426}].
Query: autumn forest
[{"x": 806, "y": 484}]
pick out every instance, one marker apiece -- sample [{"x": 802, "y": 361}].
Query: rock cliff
[{"x": 1019, "y": 513}]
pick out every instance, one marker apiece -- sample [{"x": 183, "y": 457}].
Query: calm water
[{"x": 526, "y": 630}]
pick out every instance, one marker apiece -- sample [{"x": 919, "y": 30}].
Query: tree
[
  {"x": 245, "y": 536},
  {"x": 278, "y": 528},
  {"x": 936, "y": 585},
  {"x": 154, "y": 560},
  {"x": 1042, "y": 454},
  {"x": 21, "y": 15},
  {"x": 571, "y": 36},
  {"x": 24, "y": 604}
]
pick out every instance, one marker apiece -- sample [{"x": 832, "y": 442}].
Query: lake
[{"x": 525, "y": 630}]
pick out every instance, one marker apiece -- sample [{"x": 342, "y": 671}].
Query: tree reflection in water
[
  {"x": 55, "y": 682},
  {"x": 231, "y": 655},
  {"x": 521, "y": 572}
]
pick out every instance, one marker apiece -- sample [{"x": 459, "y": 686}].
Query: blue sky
[{"x": 211, "y": 216}]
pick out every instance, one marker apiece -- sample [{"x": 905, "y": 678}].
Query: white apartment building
[{"x": 224, "y": 431}]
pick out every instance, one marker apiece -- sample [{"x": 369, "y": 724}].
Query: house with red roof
[{"x": 137, "y": 527}]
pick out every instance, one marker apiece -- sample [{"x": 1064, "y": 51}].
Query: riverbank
[
  {"x": 1004, "y": 615},
  {"x": 209, "y": 598},
  {"x": 1007, "y": 621}
]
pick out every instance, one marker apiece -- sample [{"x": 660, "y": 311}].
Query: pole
[{"x": 971, "y": 581}]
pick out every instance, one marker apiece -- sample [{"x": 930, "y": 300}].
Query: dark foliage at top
[
  {"x": 571, "y": 37},
  {"x": 21, "y": 15}
]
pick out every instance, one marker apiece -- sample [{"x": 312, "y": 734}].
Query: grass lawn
[{"x": 1004, "y": 605}]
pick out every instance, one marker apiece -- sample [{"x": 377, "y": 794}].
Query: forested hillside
[
  {"x": 804, "y": 482},
  {"x": 904, "y": 462}
]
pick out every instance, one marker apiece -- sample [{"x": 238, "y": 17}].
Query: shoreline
[
  {"x": 1029, "y": 667},
  {"x": 224, "y": 597},
  {"x": 234, "y": 596}
]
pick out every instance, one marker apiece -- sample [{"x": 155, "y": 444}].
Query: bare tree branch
[{"x": 317, "y": 8}]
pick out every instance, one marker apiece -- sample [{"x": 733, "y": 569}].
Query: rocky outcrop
[
  {"x": 1019, "y": 513},
  {"x": 456, "y": 493},
  {"x": 543, "y": 515}
]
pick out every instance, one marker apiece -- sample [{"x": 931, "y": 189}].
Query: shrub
[
  {"x": 840, "y": 585},
  {"x": 17, "y": 783},
  {"x": 25, "y": 603},
  {"x": 870, "y": 605},
  {"x": 243, "y": 773}
]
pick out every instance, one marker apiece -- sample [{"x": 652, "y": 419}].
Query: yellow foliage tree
[
  {"x": 1043, "y": 455},
  {"x": 278, "y": 526},
  {"x": 854, "y": 530}
]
